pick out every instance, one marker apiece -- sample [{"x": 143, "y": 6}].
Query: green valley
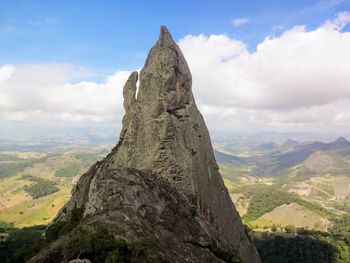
[
  {"x": 33, "y": 192},
  {"x": 294, "y": 199},
  {"x": 303, "y": 203}
]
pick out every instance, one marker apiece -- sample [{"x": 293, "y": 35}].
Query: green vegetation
[
  {"x": 15, "y": 203},
  {"x": 60, "y": 228},
  {"x": 300, "y": 174},
  {"x": 292, "y": 214},
  {"x": 96, "y": 245},
  {"x": 87, "y": 159},
  {"x": 274, "y": 228},
  {"x": 19, "y": 245},
  {"x": 290, "y": 229},
  {"x": 311, "y": 248},
  {"x": 341, "y": 229},
  {"x": 266, "y": 198},
  {"x": 4, "y": 226},
  {"x": 39, "y": 211},
  {"x": 68, "y": 171},
  {"x": 103, "y": 247},
  {"x": 40, "y": 187},
  {"x": 341, "y": 166},
  {"x": 30, "y": 178},
  {"x": 303, "y": 245},
  {"x": 12, "y": 168},
  {"x": 237, "y": 175},
  {"x": 8, "y": 157}
]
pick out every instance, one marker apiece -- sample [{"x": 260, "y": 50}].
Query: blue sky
[
  {"x": 268, "y": 65},
  {"x": 109, "y": 35}
]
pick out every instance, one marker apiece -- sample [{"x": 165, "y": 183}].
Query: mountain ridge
[{"x": 273, "y": 162}]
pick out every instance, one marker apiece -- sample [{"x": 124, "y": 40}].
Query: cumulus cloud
[
  {"x": 300, "y": 78},
  {"x": 46, "y": 92},
  {"x": 297, "y": 69},
  {"x": 240, "y": 21}
]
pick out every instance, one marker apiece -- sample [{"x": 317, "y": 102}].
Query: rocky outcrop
[
  {"x": 136, "y": 206},
  {"x": 162, "y": 180}
]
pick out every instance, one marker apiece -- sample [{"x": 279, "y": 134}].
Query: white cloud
[
  {"x": 6, "y": 72},
  {"x": 298, "y": 79},
  {"x": 343, "y": 116},
  {"x": 240, "y": 21},
  {"x": 297, "y": 69},
  {"x": 340, "y": 21},
  {"x": 46, "y": 92}
]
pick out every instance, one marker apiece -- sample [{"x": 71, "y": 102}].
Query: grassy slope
[
  {"x": 18, "y": 207},
  {"x": 292, "y": 214},
  {"x": 313, "y": 173},
  {"x": 38, "y": 211},
  {"x": 264, "y": 205}
]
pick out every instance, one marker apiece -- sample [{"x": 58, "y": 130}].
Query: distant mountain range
[
  {"x": 268, "y": 146},
  {"x": 278, "y": 158},
  {"x": 272, "y": 146},
  {"x": 290, "y": 143}
]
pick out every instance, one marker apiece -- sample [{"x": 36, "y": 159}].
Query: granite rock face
[
  {"x": 162, "y": 168},
  {"x": 165, "y": 133}
]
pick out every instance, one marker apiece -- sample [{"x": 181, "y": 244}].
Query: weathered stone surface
[
  {"x": 129, "y": 93},
  {"x": 162, "y": 166},
  {"x": 135, "y": 205},
  {"x": 166, "y": 134}
]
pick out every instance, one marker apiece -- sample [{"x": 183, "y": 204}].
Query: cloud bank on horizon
[{"x": 299, "y": 79}]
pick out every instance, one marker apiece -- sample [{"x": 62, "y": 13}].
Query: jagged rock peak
[
  {"x": 165, "y": 80},
  {"x": 161, "y": 180},
  {"x": 165, "y": 37},
  {"x": 165, "y": 134}
]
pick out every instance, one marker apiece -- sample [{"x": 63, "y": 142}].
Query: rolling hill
[
  {"x": 33, "y": 192},
  {"x": 281, "y": 159},
  {"x": 305, "y": 185}
]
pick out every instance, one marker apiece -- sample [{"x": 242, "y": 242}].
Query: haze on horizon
[{"x": 275, "y": 67}]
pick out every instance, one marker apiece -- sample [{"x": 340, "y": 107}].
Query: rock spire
[
  {"x": 163, "y": 132},
  {"x": 162, "y": 180}
]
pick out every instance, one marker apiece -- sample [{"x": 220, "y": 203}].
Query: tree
[
  {"x": 274, "y": 228},
  {"x": 290, "y": 229}
]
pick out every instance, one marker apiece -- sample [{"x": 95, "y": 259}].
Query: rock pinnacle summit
[{"x": 161, "y": 180}]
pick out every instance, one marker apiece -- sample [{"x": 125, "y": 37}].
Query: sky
[{"x": 281, "y": 66}]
